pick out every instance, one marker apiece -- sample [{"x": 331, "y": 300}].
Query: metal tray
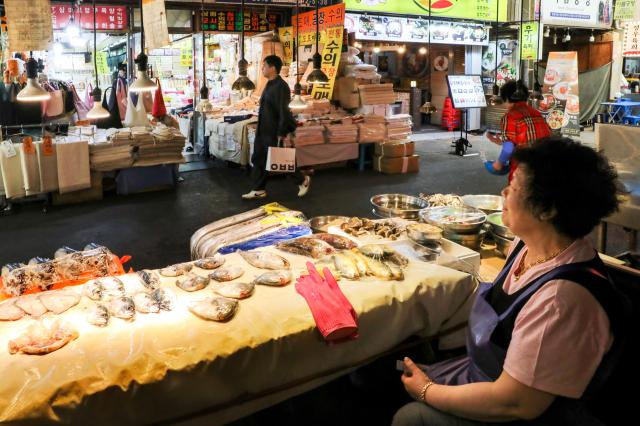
[{"x": 398, "y": 205}]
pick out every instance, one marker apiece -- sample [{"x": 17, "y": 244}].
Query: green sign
[
  {"x": 483, "y": 10},
  {"x": 625, "y": 10},
  {"x": 529, "y": 40},
  {"x": 103, "y": 66}
]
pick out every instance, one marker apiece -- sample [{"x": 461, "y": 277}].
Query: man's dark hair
[
  {"x": 574, "y": 183},
  {"x": 514, "y": 91},
  {"x": 274, "y": 61}
]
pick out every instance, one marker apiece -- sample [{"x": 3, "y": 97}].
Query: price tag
[
  {"x": 9, "y": 149},
  {"x": 47, "y": 146},
  {"x": 28, "y": 146}
]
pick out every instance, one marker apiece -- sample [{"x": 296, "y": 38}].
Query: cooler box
[{"x": 143, "y": 179}]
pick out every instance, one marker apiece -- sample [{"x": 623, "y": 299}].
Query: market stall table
[{"x": 175, "y": 367}]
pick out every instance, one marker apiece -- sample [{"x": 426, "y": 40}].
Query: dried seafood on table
[
  {"x": 377, "y": 260},
  {"x": 145, "y": 303},
  {"x": 264, "y": 259},
  {"x": 123, "y": 307},
  {"x": 442, "y": 200},
  {"x": 98, "y": 315},
  {"x": 227, "y": 274},
  {"x": 214, "y": 308},
  {"x": 212, "y": 262},
  {"x": 362, "y": 226},
  {"x": 274, "y": 278},
  {"x": 10, "y": 312},
  {"x": 307, "y": 246},
  {"x": 165, "y": 298},
  {"x": 238, "y": 290},
  {"x": 192, "y": 282},
  {"x": 337, "y": 241},
  {"x": 176, "y": 270},
  {"x": 59, "y": 301},
  {"x": 41, "y": 339}
]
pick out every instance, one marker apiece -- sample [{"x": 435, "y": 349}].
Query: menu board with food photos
[
  {"x": 560, "y": 104},
  {"x": 231, "y": 21},
  {"x": 466, "y": 91}
]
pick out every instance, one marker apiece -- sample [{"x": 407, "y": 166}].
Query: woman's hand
[
  {"x": 413, "y": 379},
  {"x": 494, "y": 138}
]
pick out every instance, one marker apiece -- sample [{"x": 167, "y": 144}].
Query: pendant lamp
[
  {"x": 536, "y": 94},
  {"x": 317, "y": 75},
  {"x": 297, "y": 103},
  {"x": 428, "y": 107},
  {"x": 98, "y": 111},
  {"x": 205, "y": 105},
  {"x": 142, "y": 83},
  {"x": 495, "y": 91},
  {"x": 32, "y": 92},
  {"x": 243, "y": 83}
]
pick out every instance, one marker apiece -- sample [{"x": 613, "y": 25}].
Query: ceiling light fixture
[
  {"x": 317, "y": 75},
  {"x": 32, "y": 92},
  {"x": 547, "y": 31},
  {"x": 402, "y": 49},
  {"x": 297, "y": 103},
  {"x": 592, "y": 37},
  {"x": 142, "y": 83},
  {"x": 243, "y": 83},
  {"x": 97, "y": 111}
]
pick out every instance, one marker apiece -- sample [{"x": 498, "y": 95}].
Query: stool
[{"x": 631, "y": 119}]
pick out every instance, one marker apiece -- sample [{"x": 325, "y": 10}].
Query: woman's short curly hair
[{"x": 573, "y": 181}]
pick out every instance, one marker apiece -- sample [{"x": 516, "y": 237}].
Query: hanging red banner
[
  {"x": 332, "y": 16},
  {"x": 107, "y": 17}
]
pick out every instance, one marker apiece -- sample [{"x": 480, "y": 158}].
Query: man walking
[{"x": 275, "y": 123}]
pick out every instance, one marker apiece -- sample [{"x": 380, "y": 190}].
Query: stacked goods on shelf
[
  {"x": 403, "y": 98},
  {"x": 396, "y": 156},
  {"x": 309, "y": 134},
  {"x": 141, "y": 136},
  {"x": 105, "y": 157},
  {"x": 450, "y": 115},
  {"x": 398, "y": 126},
  {"x": 376, "y": 94},
  {"x": 317, "y": 107},
  {"x": 371, "y": 128},
  {"x": 166, "y": 148},
  {"x": 121, "y": 137},
  {"x": 342, "y": 132}
]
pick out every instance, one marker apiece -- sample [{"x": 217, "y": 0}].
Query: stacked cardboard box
[
  {"x": 396, "y": 157},
  {"x": 312, "y": 134},
  {"x": 398, "y": 126},
  {"x": 342, "y": 133},
  {"x": 376, "y": 94}
]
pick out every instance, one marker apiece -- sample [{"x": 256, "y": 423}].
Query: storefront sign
[
  {"x": 529, "y": 39},
  {"x": 627, "y": 10},
  {"x": 155, "y": 24},
  {"x": 466, "y": 91},
  {"x": 578, "y": 13},
  {"x": 30, "y": 26},
  {"x": 561, "y": 104},
  {"x": 390, "y": 29},
  {"x": 331, "y": 24},
  {"x": 482, "y": 10},
  {"x": 506, "y": 58},
  {"x": 186, "y": 57},
  {"x": 107, "y": 17},
  {"x": 103, "y": 65},
  {"x": 631, "y": 40},
  {"x": 286, "y": 38},
  {"x": 218, "y": 20}
]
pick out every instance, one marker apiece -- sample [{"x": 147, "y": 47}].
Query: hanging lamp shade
[
  {"x": 428, "y": 108},
  {"x": 297, "y": 103},
  {"x": 317, "y": 75},
  {"x": 33, "y": 92},
  {"x": 97, "y": 111},
  {"x": 142, "y": 83},
  {"x": 243, "y": 82}
]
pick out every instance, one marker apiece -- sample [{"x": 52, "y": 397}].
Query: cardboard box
[
  {"x": 396, "y": 165},
  {"x": 395, "y": 149}
]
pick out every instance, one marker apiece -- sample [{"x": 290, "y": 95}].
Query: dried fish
[
  {"x": 227, "y": 274},
  {"x": 10, "y": 312},
  {"x": 396, "y": 271},
  {"x": 378, "y": 269},
  {"x": 10, "y": 267},
  {"x": 63, "y": 251},
  {"x": 192, "y": 282},
  {"x": 149, "y": 279},
  {"x": 213, "y": 262},
  {"x": 93, "y": 290},
  {"x": 145, "y": 304},
  {"x": 32, "y": 305},
  {"x": 42, "y": 339},
  {"x": 165, "y": 298},
  {"x": 123, "y": 307},
  {"x": 274, "y": 278},
  {"x": 59, "y": 301},
  {"x": 372, "y": 250},
  {"x": 112, "y": 287},
  {"x": 264, "y": 259},
  {"x": 235, "y": 290},
  {"x": 214, "y": 308},
  {"x": 176, "y": 270},
  {"x": 98, "y": 315},
  {"x": 358, "y": 260},
  {"x": 327, "y": 262},
  {"x": 383, "y": 228},
  {"x": 307, "y": 246},
  {"x": 336, "y": 241},
  {"x": 346, "y": 266}
]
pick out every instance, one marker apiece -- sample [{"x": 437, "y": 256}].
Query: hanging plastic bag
[{"x": 136, "y": 115}]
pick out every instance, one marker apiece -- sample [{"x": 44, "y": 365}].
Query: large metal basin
[
  {"x": 398, "y": 205},
  {"x": 458, "y": 220}
]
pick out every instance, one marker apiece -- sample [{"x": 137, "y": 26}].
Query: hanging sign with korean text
[
  {"x": 30, "y": 26},
  {"x": 631, "y": 40},
  {"x": 627, "y": 10},
  {"x": 155, "y": 24},
  {"x": 578, "y": 13},
  {"x": 231, "y": 21},
  {"x": 107, "y": 17},
  {"x": 101, "y": 62},
  {"x": 529, "y": 40},
  {"x": 286, "y": 38}
]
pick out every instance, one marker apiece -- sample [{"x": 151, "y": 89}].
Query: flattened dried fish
[
  {"x": 264, "y": 259},
  {"x": 192, "y": 282},
  {"x": 98, "y": 315},
  {"x": 235, "y": 290},
  {"x": 214, "y": 308},
  {"x": 327, "y": 262},
  {"x": 123, "y": 307},
  {"x": 10, "y": 312},
  {"x": 112, "y": 287},
  {"x": 372, "y": 250},
  {"x": 346, "y": 266},
  {"x": 32, "y": 305},
  {"x": 165, "y": 298},
  {"x": 378, "y": 268},
  {"x": 336, "y": 241},
  {"x": 393, "y": 256},
  {"x": 396, "y": 271},
  {"x": 145, "y": 304},
  {"x": 176, "y": 270},
  {"x": 213, "y": 262},
  {"x": 274, "y": 278},
  {"x": 93, "y": 290},
  {"x": 59, "y": 301},
  {"x": 41, "y": 340},
  {"x": 227, "y": 274},
  {"x": 358, "y": 260},
  {"x": 307, "y": 246},
  {"x": 149, "y": 279}
]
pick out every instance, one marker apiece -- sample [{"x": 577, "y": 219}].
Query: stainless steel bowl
[
  {"x": 487, "y": 203},
  {"x": 472, "y": 241},
  {"x": 322, "y": 223},
  {"x": 398, "y": 205},
  {"x": 502, "y": 244},
  {"x": 497, "y": 227},
  {"x": 420, "y": 232},
  {"x": 458, "y": 220}
]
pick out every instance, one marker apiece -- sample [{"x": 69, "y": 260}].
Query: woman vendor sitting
[{"x": 542, "y": 336}]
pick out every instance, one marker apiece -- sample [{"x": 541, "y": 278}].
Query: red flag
[{"x": 159, "y": 109}]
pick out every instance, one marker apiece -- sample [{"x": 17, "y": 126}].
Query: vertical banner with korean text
[
  {"x": 331, "y": 24},
  {"x": 631, "y": 39},
  {"x": 156, "y": 33},
  {"x": 529, "y": 40},
  {"x": 30, "y": 25},
  {"x": 561, "y": 104},
  {"x": 627, "y": 10},
  {"x": 286, "y": 38}
]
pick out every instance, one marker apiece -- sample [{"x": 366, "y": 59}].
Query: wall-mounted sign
[
  {"x": 561, "y": 104},
  {"x": 466, "y": 91},
  {"x": 578, "y": 13},
  {"x": 107, "y": 17},
  {"x": 29, "y": 24},
  {"x": 389, "y": 29},
  {"x": 507, "y": 59},
  {"x": 627, "y": 10},
  {"x": 231, "y": 21},
  {"x": 103, "y": 65},
  {"x": 482, "y": 10},
  {"x": 631, "y": 40},
  {"x": 302, "y": 3},
  {"x": 529, "y": 40},
  {"x": 155, "y": 24},
  {"x": 286, "y": 38}
]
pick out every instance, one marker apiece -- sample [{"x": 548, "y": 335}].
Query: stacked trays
[
  {"x": 462, "y": 225},
  {"x": 500, "y": 233}
]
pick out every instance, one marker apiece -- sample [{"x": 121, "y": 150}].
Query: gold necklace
[{"x": 522, "y": 268}]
